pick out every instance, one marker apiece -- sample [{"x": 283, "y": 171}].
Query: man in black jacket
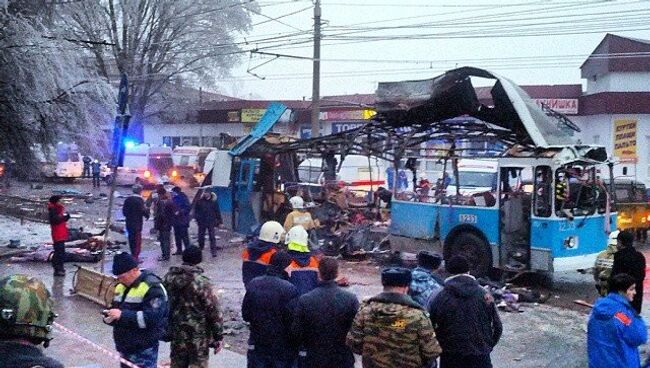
[
  {"x": 322, "y": 320},
  {"x": 207, "y": 215},
  {"x": 465, "y": 319},
  {"x": 629, "y": 260},
  {"x": 134, "y": 211},
  {"x": 267, "y": 306}
]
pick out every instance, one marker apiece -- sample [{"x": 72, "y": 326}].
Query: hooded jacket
[
  {"x": 614, "y": 333},
  {"x": 207, "y": 212},
  {"x": 58, "y": 219},
  {"x": 194, "y": 314},
  {"x": 303, "y": 270},
  {"x": 256, "y": 258},
  {"x": 465, "y": 317},
  {"x": 424, "y": 286}
]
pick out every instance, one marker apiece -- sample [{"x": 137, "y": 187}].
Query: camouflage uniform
[
  {"x": 27, "y": 313},
  {"x": 603, "y": 269},
  {"x": 391, "y": 330},
  {"x": 195, "y": 318}
]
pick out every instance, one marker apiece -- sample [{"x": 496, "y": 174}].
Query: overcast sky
[{"x": 531, "y": 42}]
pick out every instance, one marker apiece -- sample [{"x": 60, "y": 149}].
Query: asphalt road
[{"x": 550, "y": 335}]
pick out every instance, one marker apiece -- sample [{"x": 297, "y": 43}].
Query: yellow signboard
[
  {"x": 251, "y": 115},
  {"x": 625, "y": 139}
]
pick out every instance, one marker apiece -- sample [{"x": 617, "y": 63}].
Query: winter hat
[
  {"x": 396, "y": 276},
  {"x": 429, "y": 260},
  {"x": 457, "y": 265},
  {"x": 122, "y": 263},
  {"x": 192, "y": 256},
  {"x": 176, "y": 189}
]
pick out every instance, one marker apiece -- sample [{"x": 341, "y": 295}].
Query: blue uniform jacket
[
  {"x": 144, "y": 307},
  {"x": 614, "y": 333}
]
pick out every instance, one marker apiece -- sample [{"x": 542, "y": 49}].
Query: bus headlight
[
  {"x": 147, "y": 174},
  {"x": 571, "y": 242},
  {"x": 174, "y": 174}
]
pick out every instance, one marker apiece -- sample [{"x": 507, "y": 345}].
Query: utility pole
[{"x": 315, "y": 99}]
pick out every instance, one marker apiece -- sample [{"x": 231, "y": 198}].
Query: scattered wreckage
[{"x": 548, "y": 207}]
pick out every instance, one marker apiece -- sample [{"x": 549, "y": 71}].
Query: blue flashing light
[{"x": 129, "y": 144}]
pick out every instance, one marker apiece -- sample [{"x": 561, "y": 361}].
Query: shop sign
[
  {"x": 625, "y": 139},
  {"x": 568, "y": 106},
  {"x": 343, "y": 127},
  {"x": 251, "y": 115},
  {"x": 347, "y": 114},
  {"x": 233, "y": 116}
]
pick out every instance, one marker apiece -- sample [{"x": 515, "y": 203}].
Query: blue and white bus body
[{"x": 554, "y": 242}]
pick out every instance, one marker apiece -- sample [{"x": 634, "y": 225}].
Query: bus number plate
[{"x": 467, "y": 219}]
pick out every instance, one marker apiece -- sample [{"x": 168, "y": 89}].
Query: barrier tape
[{"x": 107, "y": 352}]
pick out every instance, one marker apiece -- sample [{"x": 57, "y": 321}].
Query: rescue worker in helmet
[
  {"x": 303, "y": 269},
  {"x": 26, "y": 319},
  {"x": 257, "y": 255},
  {"x": 604, "y": 263},
  {"x": 299, "y": 216}
]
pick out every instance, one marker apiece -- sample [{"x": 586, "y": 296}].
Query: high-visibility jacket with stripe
[
  {"x": 303, "y": 271},
  {"x": 256, "y": 259},
  {"x": 144, "y": 307}
]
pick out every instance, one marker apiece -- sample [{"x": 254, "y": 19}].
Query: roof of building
[
  {"x": 617, "y": 54},
  {"x": 615, "y": 103}
]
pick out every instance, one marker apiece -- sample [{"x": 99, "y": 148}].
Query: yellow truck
[{"x": 633, "y": 208}]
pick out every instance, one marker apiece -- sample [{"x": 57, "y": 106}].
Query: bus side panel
[
  {"x": 485, "y": 219},
  {"x": 551, "y": 234},
  {"x": 413, "y": 219}
]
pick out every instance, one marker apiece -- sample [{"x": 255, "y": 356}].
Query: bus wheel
[{"x": 475, "y": 249}]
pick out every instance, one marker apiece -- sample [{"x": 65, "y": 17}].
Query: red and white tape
[{"x": 105, "y": 351}]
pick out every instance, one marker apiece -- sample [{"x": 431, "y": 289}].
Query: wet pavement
[{"x": 542, "y": 336}]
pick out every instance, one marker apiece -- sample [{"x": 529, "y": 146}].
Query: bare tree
[
  {"x": 157, "y": 41},
  {"x": 46, "y": 93}
]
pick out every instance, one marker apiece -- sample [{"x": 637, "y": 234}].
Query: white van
[
  {"x": 69, "y": 164},
  {"x": 145, "y": 165},
  {"x": 475, "y": 176},
  {"x": 190, "y": 163},
  {"x": 357, "y": 172}
]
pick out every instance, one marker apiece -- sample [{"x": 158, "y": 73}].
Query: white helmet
[
  {"x": 297, "y": 234},
  {"x": 271, "y": 232},
  {"x": 613, "y": 238},
  {"x": 297, "y": 203}
]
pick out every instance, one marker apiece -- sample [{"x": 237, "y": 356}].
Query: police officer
[
  {"x": 196, "y": 322},
  {"x": 25, "y": 322},
  {"x": 96, "y": 169},
  {"x": 391, "y": 329},
  {"x": 139, "y": 312},
  {"x": 257, "y": 255},
  {"x": 604, "y": 263}
]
